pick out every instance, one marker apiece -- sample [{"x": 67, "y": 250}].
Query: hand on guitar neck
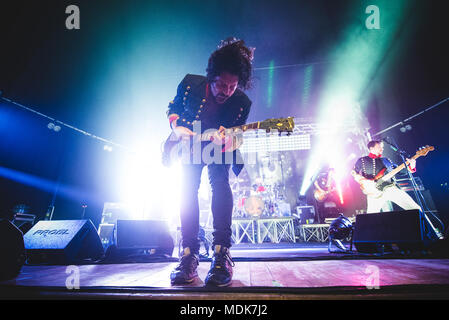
[
  {"x": 227, "y": 139},
  {"x": 219, "y": 137}
]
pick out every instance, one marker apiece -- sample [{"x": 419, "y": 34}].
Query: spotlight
[
  {"x": 52, "y": 126},
  {"x": 405, "y": 128},
  {"x": 339, "y": 230}
]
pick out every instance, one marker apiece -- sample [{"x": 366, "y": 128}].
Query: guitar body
[
  {"x": 373, "y": 188},
  {"x": 321, "y": 195},
  {"x": 369, "y": 188}
]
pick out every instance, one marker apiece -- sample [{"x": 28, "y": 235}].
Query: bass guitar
[{"x": 375, "y": 186}]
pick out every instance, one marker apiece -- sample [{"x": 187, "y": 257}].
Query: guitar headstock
[
  {"x": 281, "y": 125},
  {"x": 423, "y": 151}
]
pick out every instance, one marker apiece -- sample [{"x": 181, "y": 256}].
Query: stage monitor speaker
[
  {"x": 404, "y": 229},
  {"x": 12, "y": 250},
  {"x": 144, "y": 234},
  {"x": 62, "y": 242}
]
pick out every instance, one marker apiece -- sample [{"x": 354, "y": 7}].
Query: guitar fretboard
[
  {"x": 393, "y": 172},
  {"x": 233, "y": 130}
]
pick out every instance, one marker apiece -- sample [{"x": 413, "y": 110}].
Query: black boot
[
  {"x": 220, "y": 273},
  {"x": 186, "y": 271}
]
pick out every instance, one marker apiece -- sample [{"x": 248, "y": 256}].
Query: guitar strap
[{"x": 390, "y": 166}]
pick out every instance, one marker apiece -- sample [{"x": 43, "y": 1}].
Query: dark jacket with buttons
[
  {"x": 190, "y": 104},
  {"x": 369, "y": 168}
]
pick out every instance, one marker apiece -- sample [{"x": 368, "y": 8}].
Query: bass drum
[{"x": 254, "y": 206}]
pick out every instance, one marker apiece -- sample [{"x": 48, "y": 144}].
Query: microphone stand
[
  {"x": 418, "y": 195},
  {"x": 401, "y": 123}
]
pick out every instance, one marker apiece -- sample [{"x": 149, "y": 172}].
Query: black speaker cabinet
[
  {"x": 407, "y": 230},
  {"x": 12, "y": 250},
  {"x": 144, "y": 234},
  {"x": 63, "y": 241}
]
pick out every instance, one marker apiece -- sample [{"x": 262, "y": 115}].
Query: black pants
[{"x": 222, "y": 204}]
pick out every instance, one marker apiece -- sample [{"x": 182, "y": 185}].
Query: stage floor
[{"x": 274, "y": 272}]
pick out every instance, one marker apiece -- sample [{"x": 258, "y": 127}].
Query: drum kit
[{"x": 259, "y": 200}]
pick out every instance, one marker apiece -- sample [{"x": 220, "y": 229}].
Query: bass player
[{"x": 367, "y": 168}]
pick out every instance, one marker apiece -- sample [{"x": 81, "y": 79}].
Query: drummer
[{"x": 258, "y": 186}]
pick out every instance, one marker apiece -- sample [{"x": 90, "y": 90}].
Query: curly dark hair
[{"x": 234, "y": 57}]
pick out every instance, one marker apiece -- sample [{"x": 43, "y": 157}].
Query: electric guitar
[
  {"x": 375, "y": 186},
  {"x": 171, "y": 149},
  {"x": 321, "y": 195}
]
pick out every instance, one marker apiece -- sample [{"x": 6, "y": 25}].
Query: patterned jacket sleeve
[
  {"x": 358, "y": 166},
  {"x": 175, "y": 107}
]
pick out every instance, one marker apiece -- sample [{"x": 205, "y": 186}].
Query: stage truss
[
  {"x": 300, "y": 139},
  {"x": 259, "y": 230}
]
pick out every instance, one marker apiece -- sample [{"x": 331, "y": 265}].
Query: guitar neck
[
  {"x": 251, "y": 126},
  {"x": 393, "y": 172}
]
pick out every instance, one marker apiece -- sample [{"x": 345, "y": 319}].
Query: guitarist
[
  {"x": 324, "y": 195},
  {"x": 368, "y": 167},
  {"x": 217, "y": 101},
  {"x": 324, "y": 184}
]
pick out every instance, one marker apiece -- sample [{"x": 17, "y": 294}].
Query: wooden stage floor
[{"x": 315, "y": 274}]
